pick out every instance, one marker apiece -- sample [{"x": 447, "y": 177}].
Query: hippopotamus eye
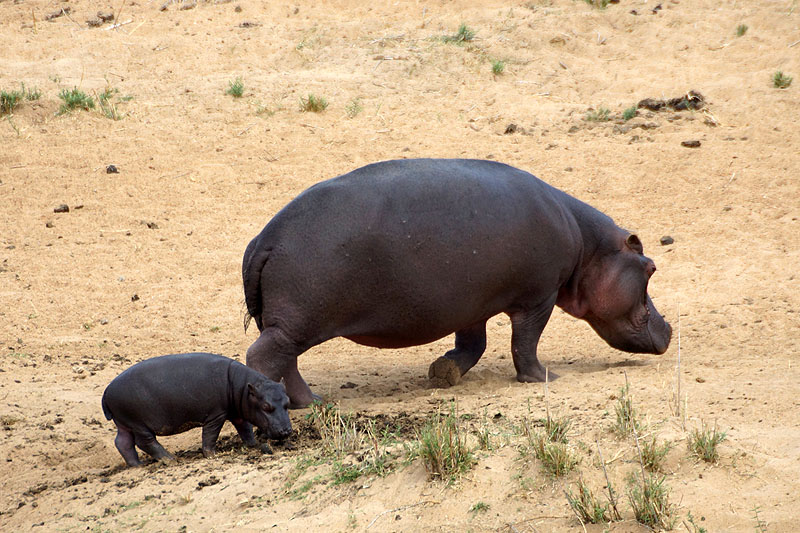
[{"x": 267, "y": 407}]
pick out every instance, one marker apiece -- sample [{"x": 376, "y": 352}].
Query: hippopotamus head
[
  {"x": 267, "y": 405},
  {"x": 612, "y": 297}
]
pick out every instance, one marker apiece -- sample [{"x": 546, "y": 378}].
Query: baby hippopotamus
[{"x": 174, "y": 393}]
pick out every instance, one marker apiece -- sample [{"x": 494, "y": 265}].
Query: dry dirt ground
[{"x": 147, "y": 260}]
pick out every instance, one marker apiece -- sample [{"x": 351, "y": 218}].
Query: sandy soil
[{"x": 147, "y": 260}]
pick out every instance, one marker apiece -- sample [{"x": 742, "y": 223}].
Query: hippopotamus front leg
[
  {"x": 470, "y": 345},
  {"x": 245, "y": 431},
  {"x": 526, "y": 328},
  {"x": 211, "y": 429}
]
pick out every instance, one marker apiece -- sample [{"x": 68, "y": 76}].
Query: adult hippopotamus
[
  {"x": 173, "y": 393},
  {"x": 402, "y": 253}
]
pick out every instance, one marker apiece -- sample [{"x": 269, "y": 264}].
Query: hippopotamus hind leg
[
  {"x": 147, "y": 442},
  {"x": 470, "y": 345},
  {"x": 125, "y": 443},
  {"x": 274, "y": 354},
  {"x": 526, "y": 329}
]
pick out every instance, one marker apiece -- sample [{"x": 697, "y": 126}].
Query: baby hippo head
[{"x": 267, "y": 404}]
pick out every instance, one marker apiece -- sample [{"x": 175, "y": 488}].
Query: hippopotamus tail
[{"x": 255, "y": 257}]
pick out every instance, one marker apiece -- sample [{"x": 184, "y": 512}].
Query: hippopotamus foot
[
  {"x": 148, "y": 443},
  {"x": 444, "y": 372},
  {"x": 470, "y": 345},
  {"x": 538, "y": 376},
  {"x": 300, "y": 395}
]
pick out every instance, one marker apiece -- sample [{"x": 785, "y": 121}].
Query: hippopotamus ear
[
  {"x": 634, "y": 243},
  {"x": 251, "y": 390}
]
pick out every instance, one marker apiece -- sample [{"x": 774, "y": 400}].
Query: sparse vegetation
[
  {"x": 601, "y": 114},
  {"x": 703, "y": 443},
  {"x": 781, "y": 80},
  {"x": 761, "y": 524},
  {"x": 653, "y": 454},
  {"x": 315, "y": 104},
  {"x": 741, "y": 29},
  {"x": 354, "y": 108},
  {"x": 498, "y": 67},
  {"x": 629, "y": 113},
  {"x": 626, "y": 418},
  {"x": 480, "y": 507},
  {"x": 649, "y": 499},
  {"x": 598, "y": 4},
  {"x": 443, "y": 447},
  {"x": 556, "y": 457},
  {"x": 695, "y": 528},
  {"x": 464, "y": 34},
  {"x": 107, "y": 107},
  {"x": 8, "y": 101},
  {"x": 586, "y": 506},
  {"x": 235, "y": 88},
  {"x": 74, "y": 99}
]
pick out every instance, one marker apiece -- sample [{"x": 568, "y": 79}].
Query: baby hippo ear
[
  {"x": 251, "y": 390},
  {"x": 634, "y": 244}
]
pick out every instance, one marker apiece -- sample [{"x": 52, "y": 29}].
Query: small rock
[
  {"x": 105, "y": 16},
  {"x": 151, "y": 225},
  {"x": 511, "y": 128},
  {"x": 103, "y": 321},
  {"x": 349, "y": 385},
  {"x": 49, "y": 224},
  {"x": 63, "y": 208},
  {"x": 188, "y": 5},
  {"x": 666, "y": 240},
  {"x": 691, "y": 144},
  {"x": 112, "y": 169},
  {"x": 94, "y": 23},
  {"x": 700, "y": 380},
  {"x": 135, "y": 298},
  {"x": 238, "y": 9}
]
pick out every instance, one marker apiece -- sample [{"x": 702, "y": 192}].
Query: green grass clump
[
  {"x": 464, "y": 34},
  {"x": 556, "y": 458},
  {"x": 314, "y": 104},
  {"x": 600, "y": 115},
  {"x": 498, "y": 67},
  {"x": 781, "y": 80},
  {"x": 31, "y": 94},
  {"x": 354, "y": 108},
  {"x": 629, "y": 113},
  {"x": 649, "y": 499},
  {"x": 443, "y": 447},
  {"x": 626, "y": 418},
  {"x": 235, "y": 88},
  {"x": 8, "y": 101},
  {"x": 703, "y": 443},
  {"x": 338, "y": 432},
  {"x": 598, "y": 4},
  {"x": 480, "y": 507},
  {"x": 586, "y": 506},
  {"x": 653, "y": 454},
  {"x": 74, "y": 98},
  {"x": 107, "y": 107},
  {"x": 741, "y": 29}
]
